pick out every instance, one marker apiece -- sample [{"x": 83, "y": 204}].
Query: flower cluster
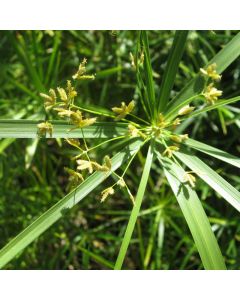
[
  {"x": 123, "y": 110},
  {"x": 61, "y": 101},
  {"x": 211, "y": 93},
  {"x": 44, "y": 128}
]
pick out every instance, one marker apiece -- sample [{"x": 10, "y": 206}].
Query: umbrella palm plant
[{"x": 159, "y": 131}]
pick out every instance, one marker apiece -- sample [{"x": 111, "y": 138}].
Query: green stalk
[{"x": 135, "y": 210}]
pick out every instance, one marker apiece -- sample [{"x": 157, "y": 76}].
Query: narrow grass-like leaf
[
  {"x": 172, "y": 67},
  {"x": 5, "y": 143},
  {"x": 148, "y": 73},
  {"x": 223, "y": 59},
  {"x": 219, "y": 184},
  {"x": 212, "y": 151},
  {"x": 29, "y": 129},
  {"x": 53, "y": 57},
  {"x": 150, "y": 245},
  {"x": 58, "y": 210},
  {"x": 219, "y": 103},
  {"x": 97, "y": 258},
  {"x": 135, "y": 210},
  {"x": 195, "y": 216},
  {"x": 21, "y": 49}
]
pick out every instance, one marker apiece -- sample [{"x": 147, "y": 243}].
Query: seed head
[
  {"x": 170, "y": 150},
  {"x": 121, "y": 182},
  {"x": 44, "y": 128},
  {"x": 75, "y": 178},
  {"x": 176, "y": 122},
  {"x": 105, "y": 193},
  {"x": 211, "y": 94},
  {"x": 49, "y": 100},
  {"x": 62, "y": 94},
  {"x": 71, "y": 92},
  {"x": 73, "y": 142},
  {"x": 188, "y": 177},
  {"x": 211, "y": 72},
  {"x": 161, "y": 123},
  {"x": 80, "y": 75},
  {"x": 84, "y": 164},
  {"x": 185, "y": 110},
  {"x": 179, "y": 138},
  {"x": 123, "y": 110}
]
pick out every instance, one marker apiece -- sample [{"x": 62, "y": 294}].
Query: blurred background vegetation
[{"x": 32, "y": 176}]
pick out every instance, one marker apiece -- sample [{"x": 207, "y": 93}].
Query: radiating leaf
[
  {"x": 220, "y": 185},
  {"x": 135, "y": 210},
  {"x": 223, "y": 59},
  {"x": 28, "y": 129},
  {"x": 173, "y": 61},
  {"x": 212, "y": 151},
  {"x": 195, "y": 216}
]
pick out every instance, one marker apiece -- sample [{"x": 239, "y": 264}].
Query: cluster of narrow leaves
[{"x": 160, "y": 130}]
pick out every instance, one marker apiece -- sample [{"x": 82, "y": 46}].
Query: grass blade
[
  {"x": 219, "y": 103},
  {"x": 172, "y": 67},
  {"x": 195, "y": 216},
  {"x": 212, "y": 151},
  {"x": 102, "y": 261},
  {"x": 28, "y": 129},
  {"x": 148, "y": 73},
  {"x": 219, "y": 184},
  {"x": 135, "y": 210},
  {"x": 223, "y": 59},
  {"x": 57, "y": 211}
]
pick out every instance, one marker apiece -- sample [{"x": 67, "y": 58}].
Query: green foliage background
[{"x": 32, "y": 176}]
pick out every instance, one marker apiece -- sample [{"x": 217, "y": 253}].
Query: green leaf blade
[
  {"x": 220, "y": 185},
  {"x": 195, "y": 216},
  {"x": 135, "y": 210},
  {"x": 29, "y": 129},
  {"x": 172, "y": 67},
  {"x": 149, "y": 74},
  {"x": 212, "y": 151},
  {"x": 223, "y": 59}
]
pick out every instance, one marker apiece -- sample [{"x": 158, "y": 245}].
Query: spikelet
[
  {"x": 123, "y": 110},
  {"x": 134, "y": 132},
  {"x": 107, "y": 163},
  {"x": 107, "y": 192},
  {"x": 185, "y": 110},
  {"x": 132, "y": 60},
  {"x": 161, "y": 123},
  {"x": 170, "y": 150},
  {"x": 73, "y": 142},
  {"x": 76, "y": 117},
  {"x": 211, "y": 94},
  {"x": 106, "y": 167},
  {"x": 75, "y": 178},
  {"x": 71, "y": 92},
  {"x": 49, "y": 100},
  {"x": 44, "y": 128},
  {"x": 176, "y": 122},
  {"x": 121, "y": 182},
  {"x": 188, "y": 177},
  {"x": 211, "y": 72},
  {"x": 80, "y": 75},
  {"x": 62, "y": 94},
  {"x": 85, "y": 164},
  {"x": 179, "y": 138},
  {"x": 62, "y": 112}
]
